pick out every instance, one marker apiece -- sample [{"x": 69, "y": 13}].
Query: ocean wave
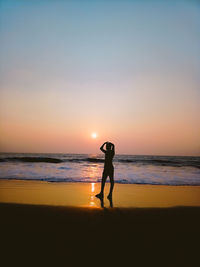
[
  {"x": 158, "y": 161},
  {"x": 50, "y": 160},
  {"x": 32, "y": 159},
  {"x": 93, "y": 160},
  {"x": 163, "y": 162}
]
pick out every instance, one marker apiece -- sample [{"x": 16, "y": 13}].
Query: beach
[
  {"x": 64, "y": 236},
  {"x": 72, "y": 231},
  {"x": 83, "y": 194}
]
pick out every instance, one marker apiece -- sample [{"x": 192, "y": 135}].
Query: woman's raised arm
[
  {"x": 113, "y": 148},
  {"x": 102, "y": 149}
]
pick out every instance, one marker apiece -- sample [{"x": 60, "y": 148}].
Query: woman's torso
[{"x": 108, "y": 159}]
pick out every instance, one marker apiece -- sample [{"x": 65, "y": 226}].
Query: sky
[{"x": 128, "y": 71}]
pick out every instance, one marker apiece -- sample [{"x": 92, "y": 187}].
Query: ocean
[{"x": 129, "y": 169}]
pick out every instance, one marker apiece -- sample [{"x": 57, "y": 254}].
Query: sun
[{"x": 94, "y": 135}]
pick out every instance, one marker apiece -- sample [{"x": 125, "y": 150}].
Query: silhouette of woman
[{"x": 108, "y": 168}]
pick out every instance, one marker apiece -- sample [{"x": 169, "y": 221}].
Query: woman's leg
[
  {"x": 111, "y": 176},
  {"x": 104, "y": 177}
]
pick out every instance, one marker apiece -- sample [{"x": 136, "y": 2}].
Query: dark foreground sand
[{"x": 62, "y": 236}]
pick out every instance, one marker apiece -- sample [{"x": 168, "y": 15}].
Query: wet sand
[{"x": 83, "y": 194}]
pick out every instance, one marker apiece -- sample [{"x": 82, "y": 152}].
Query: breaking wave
[{"x": 146, "y": 160}]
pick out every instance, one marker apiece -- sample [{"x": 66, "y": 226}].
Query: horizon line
[{"x": 155, "y": 155}]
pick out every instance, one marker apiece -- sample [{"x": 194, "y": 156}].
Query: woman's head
[{"x": 108, "y": 146}]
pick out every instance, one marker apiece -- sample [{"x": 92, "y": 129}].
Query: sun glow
[{"x": 94, "y": 135}]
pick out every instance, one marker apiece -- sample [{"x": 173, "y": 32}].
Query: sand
[
  {"x": 83, "y": 194},
  {"x": 85, "y": 235},
  {"x": 64, "y": 236}
]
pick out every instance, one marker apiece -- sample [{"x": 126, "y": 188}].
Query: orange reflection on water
[
  {"x": 92, "y": 187},
  {"x": 93, "y": 171},
  {"x": 92, "y": 203},
  {"x": 92, "y": 197}
]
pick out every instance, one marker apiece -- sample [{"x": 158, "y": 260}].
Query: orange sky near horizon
[{"x": 34, "y": 125}]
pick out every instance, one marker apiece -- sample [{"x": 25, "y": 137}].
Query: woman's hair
[{"x": 108, "y": 146}]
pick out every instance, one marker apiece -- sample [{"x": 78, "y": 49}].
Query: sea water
[{"x": 129, "y": 169}]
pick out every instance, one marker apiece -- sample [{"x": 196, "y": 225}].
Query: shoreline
[{"x": 96, "y": 182}]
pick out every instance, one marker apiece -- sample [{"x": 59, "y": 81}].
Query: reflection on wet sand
[
  {"x": 94, "y": 202},
  {"x": 93, "y": 172},
  {"x": 93, "y": 187}
]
